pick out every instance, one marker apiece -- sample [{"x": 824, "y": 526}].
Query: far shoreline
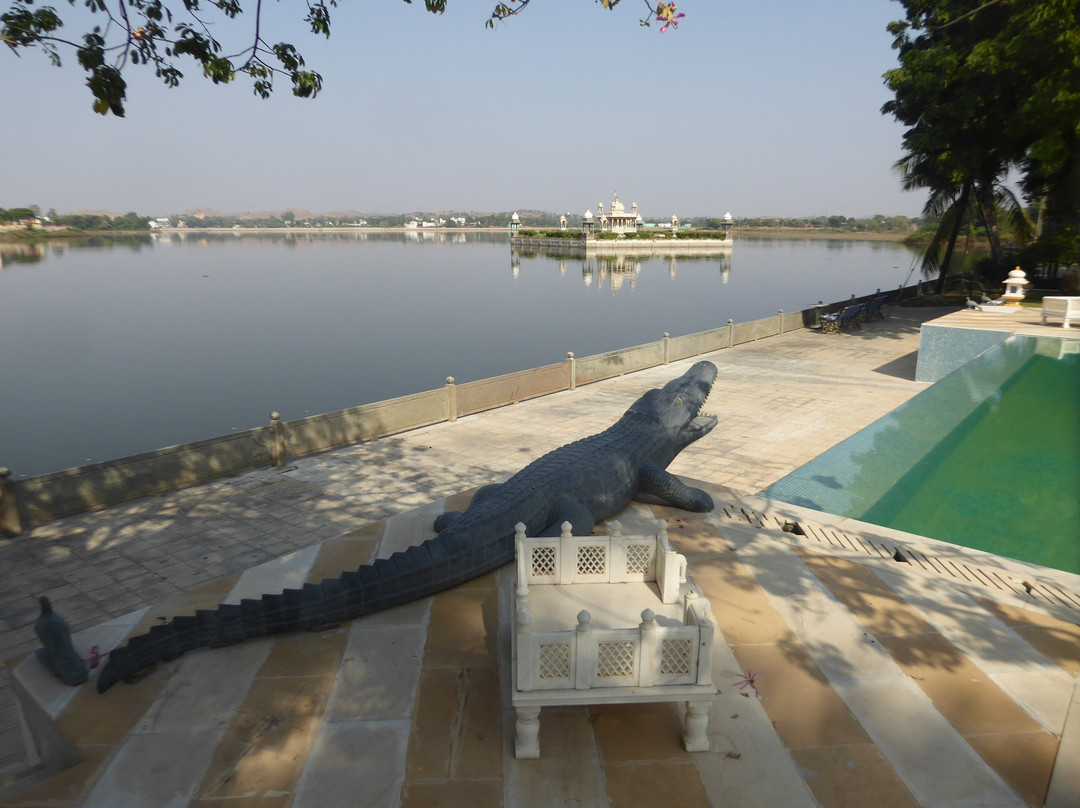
[
  {"x": 808, "y": 233},
  {"x": 37, "y": 236}
]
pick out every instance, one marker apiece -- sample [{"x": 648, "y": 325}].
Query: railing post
[
  {"x": 567, "y": 555},
  {"x": 616, "y": 567},
  {"x": 523, "y": 563},
  {"x": 731, "y": 333},
  {"x": 9, "y": 505},
  {"x": 706, "y": 633},
  {"x": 451, "y": 399},
  {"x": 666, "y": 339},
  {"x": 586, "y": 652},
  {"x": 646, "y": 672},
  {"x": 279, "y": 451},
  {"x": 780, "y": 317},
  {"x": 572, "y": 362}
]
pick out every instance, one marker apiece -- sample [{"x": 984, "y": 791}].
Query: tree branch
[{"x": 964, "y": 16}]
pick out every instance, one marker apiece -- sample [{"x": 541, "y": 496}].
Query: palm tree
[{"x": 956, "y": 197}]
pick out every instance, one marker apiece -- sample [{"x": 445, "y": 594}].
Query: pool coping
[{"x": 1020, "y": 583}]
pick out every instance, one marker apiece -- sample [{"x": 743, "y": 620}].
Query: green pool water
[{"x": 988, "y": 457}]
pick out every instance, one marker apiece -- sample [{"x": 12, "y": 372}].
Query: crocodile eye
[{"x": 678, "y": 401}]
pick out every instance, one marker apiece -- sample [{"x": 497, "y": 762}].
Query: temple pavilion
[{"x": 617, "y": 220}]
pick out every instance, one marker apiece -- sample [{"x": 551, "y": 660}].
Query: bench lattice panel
[
  {"x": 592, "y": 560},
  {"x": 675, "y": 656},
  {"x": 638, "y": 559},
  {"x": 555, "y": 661},
  {"x": 614, "y": 659},
  {"x": 543, "y": 561}
]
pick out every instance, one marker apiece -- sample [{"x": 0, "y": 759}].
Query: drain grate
[{"x": 891, "y": 551}]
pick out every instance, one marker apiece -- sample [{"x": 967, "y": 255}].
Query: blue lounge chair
[
  {"x": 845, "y": 317},
  {"x": 852, "y": 316},
  {"x": 873, "y": 307}
]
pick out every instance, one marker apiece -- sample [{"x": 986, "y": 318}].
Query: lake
[{"x": 112, "y": 349}]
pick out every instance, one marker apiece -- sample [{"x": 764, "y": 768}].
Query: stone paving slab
[
  {"x": 781, "y": 401},
  {"x": 290, "y": 738}
]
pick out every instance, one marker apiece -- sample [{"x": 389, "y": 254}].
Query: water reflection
[
  {"x": 620, "y": 270},
  {"x": 11, "y": 254},
  {"x": 180, "y": 336},
  {"x": 35, "y": 252},
  {"x": 617, "y": 270}
]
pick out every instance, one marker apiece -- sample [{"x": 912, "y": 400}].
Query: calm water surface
[{"x": 114, "y": 350}]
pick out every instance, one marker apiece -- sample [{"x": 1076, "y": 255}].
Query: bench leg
[
  {"x": 697, "y": 723},
  {"x": 527, "y": 733}
]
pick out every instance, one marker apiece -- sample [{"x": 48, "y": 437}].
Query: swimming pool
[{"x": 988, "y": 457}]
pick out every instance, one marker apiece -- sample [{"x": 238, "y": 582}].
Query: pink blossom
[{"x": 667, "y": 14}]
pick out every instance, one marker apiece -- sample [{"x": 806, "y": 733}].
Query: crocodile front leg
[
  {"x": 569, "y": 510},
  {"x": 663, "y": 484}
]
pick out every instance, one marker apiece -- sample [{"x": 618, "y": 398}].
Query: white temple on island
[{"x": 616, "y": 220}]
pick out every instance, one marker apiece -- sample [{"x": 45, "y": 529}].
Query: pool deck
[
  {"x": 890, "y": 670},
  {"x": 1023, "y": 320}
]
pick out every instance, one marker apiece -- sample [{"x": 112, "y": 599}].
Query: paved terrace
[{"x": 941, "y": 681}]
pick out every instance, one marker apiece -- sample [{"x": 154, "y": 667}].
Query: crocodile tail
[{"x": 437, "y": 564}]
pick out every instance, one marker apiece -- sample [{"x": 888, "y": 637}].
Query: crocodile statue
[{"x": 581, "y": 483}]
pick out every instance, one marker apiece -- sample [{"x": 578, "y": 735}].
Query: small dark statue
[{"x": 57, "y": 653}]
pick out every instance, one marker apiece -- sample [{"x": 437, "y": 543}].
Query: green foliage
[
  {"x": 986, "y": 89},
  {"x": 1058, "y": 250},
  {"x": 166, "y": 34},
  {"x": 701, "y": 234},
  {"x": 85, "y": 221},
  {"x": 149, "y": 32},
  {"x": 894, "y": 225},
  {"x": 16, "y": 214},
  {"x": 564, "y": 234}
]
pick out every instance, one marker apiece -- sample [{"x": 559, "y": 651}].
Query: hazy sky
[{"x": 766, "y": 108}]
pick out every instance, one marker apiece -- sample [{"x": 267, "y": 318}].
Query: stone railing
[{"x": 43, "y": 498}]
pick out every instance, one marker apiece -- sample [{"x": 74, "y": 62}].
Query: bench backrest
[{"x": 613, "y": 558}]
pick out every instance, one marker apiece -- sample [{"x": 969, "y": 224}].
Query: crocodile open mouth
[{"x": 704, "y": 421}]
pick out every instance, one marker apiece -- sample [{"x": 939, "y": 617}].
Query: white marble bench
[
  {"x": 1067, "y": 308},
  {"x": 608, "y": 620}
]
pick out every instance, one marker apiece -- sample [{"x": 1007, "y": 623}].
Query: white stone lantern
[{"x": 1014, "y": 287}]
